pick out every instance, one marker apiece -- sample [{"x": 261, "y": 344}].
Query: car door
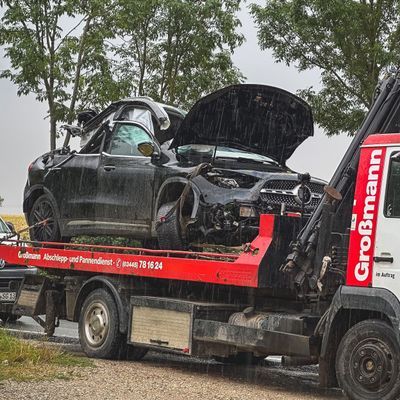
[
  {"x": 386, "y": 270},
  {"x": 125, "y": 192},
  {"x": 73, "y": 182}
]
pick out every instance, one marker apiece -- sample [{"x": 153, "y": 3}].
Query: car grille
[
  {"x": 276, "y": 192},
  {"x": 290, "y": 185},
  {"x": 5, "y": 284}
]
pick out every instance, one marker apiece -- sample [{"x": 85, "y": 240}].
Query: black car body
[
  {"x": 11, "y": 276},
  {"x": 148, "y": 170}
]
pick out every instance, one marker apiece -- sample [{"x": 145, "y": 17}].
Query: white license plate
[{"x": 8, "y": 296}]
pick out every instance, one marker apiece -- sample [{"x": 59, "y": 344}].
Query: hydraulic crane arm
[{"x": 383, "y": 117}]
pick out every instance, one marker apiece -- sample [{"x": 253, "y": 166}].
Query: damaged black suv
[{"x": 151, "y": 172}]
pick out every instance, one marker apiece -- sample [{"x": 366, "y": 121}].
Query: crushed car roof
[{"x": 261, "y": 119}]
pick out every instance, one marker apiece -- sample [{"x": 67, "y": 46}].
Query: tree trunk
[{"x": 53, "y": 132}]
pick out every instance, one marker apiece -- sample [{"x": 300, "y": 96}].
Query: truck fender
[
  {"x": 377, "y": 302},
  {"x": 109, "y": 283}
]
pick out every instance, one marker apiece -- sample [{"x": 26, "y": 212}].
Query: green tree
[
  {"x": 1, "y": 201},
  {"x": 177, "y": 50},
  {"x": 349, "y": 41},
  {"x": 57, "y": 51}
]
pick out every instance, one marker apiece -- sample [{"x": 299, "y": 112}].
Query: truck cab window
[
  {"x": 126, "y": 139},
  {"x": 392, "y": 202}
]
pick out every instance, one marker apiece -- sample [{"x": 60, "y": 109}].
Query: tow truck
[{"x": 321, "y": 290}]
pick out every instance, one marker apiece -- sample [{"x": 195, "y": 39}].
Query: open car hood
[{"x": 256, "y": 118}]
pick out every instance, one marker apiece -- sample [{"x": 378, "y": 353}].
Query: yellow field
[{"x": 19, "y": 223}]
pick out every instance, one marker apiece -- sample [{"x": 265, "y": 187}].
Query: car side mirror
[
  {"x": 155, "y": 158},
  {"x": 146, "y": 148}
]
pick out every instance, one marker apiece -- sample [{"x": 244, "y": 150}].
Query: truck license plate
[{"x": 7, "y": 296}]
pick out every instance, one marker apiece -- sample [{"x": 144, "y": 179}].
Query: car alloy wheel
[{"x": 43, "y": 221}]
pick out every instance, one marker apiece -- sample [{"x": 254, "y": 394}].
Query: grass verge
[{"x": 21, "y": 360}]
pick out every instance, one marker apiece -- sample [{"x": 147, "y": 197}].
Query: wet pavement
[{"x": 269, "y": 377}]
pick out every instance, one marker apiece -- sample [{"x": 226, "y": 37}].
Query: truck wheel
[
  {"x": 367, "y": 362},
  {"x": 43, "y": 210},
  {"x": 99, "y": 326},
  {"x": 7, "y": 317},
  {"x": 168, "y": 230}
]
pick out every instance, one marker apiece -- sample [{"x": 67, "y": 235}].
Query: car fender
[
  {"x": 183, "y": 181},
  {"x": 44, "y": 190},
  {"x": 28, "y": 193}
]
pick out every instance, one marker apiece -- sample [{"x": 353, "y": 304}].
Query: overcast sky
[{"x": 24, "y": 131}]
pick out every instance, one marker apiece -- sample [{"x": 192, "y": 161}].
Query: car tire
[
  {"x": 7, "y": 317},
  {"x": 168, "y": 230},
  {"x": 43, "y": 209},
  {"x": 98, "y": 326},
  {"x": 367, "y": 362}
]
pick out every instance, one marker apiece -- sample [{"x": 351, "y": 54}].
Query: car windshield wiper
[{"x": 250, "y": 160}]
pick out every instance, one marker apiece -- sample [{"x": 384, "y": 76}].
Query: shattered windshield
[{"x": 202, "y": 150}]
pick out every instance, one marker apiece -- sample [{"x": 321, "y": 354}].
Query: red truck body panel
[{"x": 224, "y": 269}]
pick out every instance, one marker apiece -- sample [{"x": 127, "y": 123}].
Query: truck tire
[
  {"x": 134, "y": 353},
  {"x": 42, "y": 210},
  {"x": 98, "y": 327},
  {"x": 367, "y": 362},
  {"x": 168, "y": 230}
]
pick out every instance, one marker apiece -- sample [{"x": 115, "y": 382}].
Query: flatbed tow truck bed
[
  {"x": 78, "y": 266},
  {"x": 216, "y": 268}
]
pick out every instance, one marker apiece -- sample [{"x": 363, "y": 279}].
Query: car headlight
[
  {"x": 247, "y": 212},
  {"x": 228, "y": 183}
]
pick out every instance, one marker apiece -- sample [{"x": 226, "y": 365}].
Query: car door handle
[
  {"x": 109, "y": 167},
  {"x": 384, "y": 259}
]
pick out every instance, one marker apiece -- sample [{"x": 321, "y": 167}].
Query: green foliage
[
  {"x": 77, "y": 54},
  {"x": 24, "y": 361},
  {"x": 177, "y": 50},
  {"x": 1, "y": 201},
  {"x": 350, "y": 42},
  {"x": 57, "y": 50},
  {"x": 106, "y": 241}
]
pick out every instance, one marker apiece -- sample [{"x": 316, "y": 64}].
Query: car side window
[
  {"x": 126, "y": 139},
  {"x": 3, "y": 227},
  {"x": 392, "y": 201}
]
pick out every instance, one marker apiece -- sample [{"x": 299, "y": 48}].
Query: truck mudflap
[{"x": 255, "y": 340}]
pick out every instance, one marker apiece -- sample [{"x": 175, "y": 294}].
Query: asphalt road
[
  {"x": 270, "y": 381},
  {"x": 66, "y": 329}
]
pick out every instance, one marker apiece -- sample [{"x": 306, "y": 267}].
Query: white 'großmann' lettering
[{"x": 366, "y": 225}]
